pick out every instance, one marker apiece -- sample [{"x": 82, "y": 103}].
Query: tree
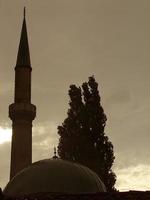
[{"x": 82, "y": 137}]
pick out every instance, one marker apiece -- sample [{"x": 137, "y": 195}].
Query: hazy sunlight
[{"x": 5, "y": 135}]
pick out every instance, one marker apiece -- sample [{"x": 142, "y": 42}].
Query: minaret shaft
[
  {"x": 22, "y": 85},
  {"x": 21, "y": 151},
  {"x": 22, "y": 112}
]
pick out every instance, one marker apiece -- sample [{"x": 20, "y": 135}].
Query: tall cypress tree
[{"x": 82, "y": 137}]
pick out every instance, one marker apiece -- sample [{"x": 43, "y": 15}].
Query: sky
[{"x": 69, "y": 41}]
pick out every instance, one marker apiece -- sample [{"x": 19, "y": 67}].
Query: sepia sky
[{"x": 69, "y": 41}]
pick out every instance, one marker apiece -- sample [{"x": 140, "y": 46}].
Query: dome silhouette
[{"x": 54, "y": 176}]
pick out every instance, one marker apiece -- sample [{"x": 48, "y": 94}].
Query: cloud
[
  {"x": 133, "y": 178},
  {"x": 45, "y": 138},
  {"x": 5, "y": 135},
  {"x": 4, "y": 163},
  {"x": 5, "y": 146}
]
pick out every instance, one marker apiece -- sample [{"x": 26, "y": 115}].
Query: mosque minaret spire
[{"x": 22, "y": 112}]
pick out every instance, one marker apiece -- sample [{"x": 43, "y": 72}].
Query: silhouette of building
[
  {"x": 27, "y": 178},
  {"x": 49, "y": 179},
  {"x": 22, "y": 112},
  {"x": 54, "y": 176}
]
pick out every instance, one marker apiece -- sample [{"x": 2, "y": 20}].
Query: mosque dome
[{"x": 54, "y": 176}]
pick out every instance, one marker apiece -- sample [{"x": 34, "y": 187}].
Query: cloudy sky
[{"x": 71, "y": 40}]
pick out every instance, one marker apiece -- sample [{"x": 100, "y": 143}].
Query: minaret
[{"x": 22, "y": 112}]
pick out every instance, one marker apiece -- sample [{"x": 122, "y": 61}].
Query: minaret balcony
[{"x": 25, "y": 111}]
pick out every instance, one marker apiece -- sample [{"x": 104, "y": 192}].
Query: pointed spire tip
[
  {"x": 55, "y": 153},
  {"x": 23, "y": 57},
  {"x": 24, "y": 12}
]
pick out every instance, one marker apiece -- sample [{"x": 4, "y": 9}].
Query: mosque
[{"x": 50, "y": 178}]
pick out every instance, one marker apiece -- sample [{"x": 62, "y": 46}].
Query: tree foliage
[{"x": 82, "y": 137}]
